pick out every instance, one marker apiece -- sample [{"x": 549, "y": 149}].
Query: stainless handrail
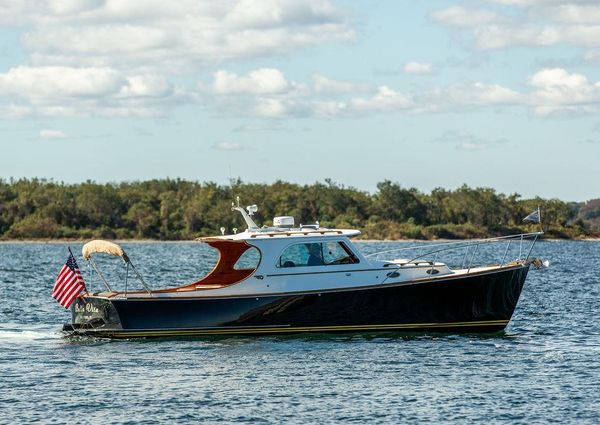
[{"x": 466, "y": 244}]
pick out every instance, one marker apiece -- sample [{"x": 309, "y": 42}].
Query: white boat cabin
[{"x": 284, "y": 259}]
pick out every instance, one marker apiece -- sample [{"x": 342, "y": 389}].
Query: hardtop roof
[{"x": 269, "y": 233}]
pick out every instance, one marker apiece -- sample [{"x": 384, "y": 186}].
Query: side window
[
  {"x": 302, "y": 254},
  {"x": 316, "y": 254},
  {"x": 248, "y": 260},
  {"x": 338, "y": 253}
]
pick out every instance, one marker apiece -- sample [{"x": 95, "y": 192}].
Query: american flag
[{"x": 69, "y": 283}]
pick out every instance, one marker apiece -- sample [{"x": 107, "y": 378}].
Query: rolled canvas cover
[{"x": 104, "y": 247}]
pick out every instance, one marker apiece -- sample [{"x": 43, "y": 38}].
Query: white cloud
[
  {"x": 529, "y": 23},
  {"x": 557, "y": 77},
  {"x": 146, "y": 85},
  {"x": 99, "y": 41},
  {"x": 418, "y": 68},
  {"x": 479, "y": 94},
  {"x": 329, "y": 108},
  {"x": 89, "y": 91},
  {"x": 41, "y": 82},
  {"x": 500, "y": 36},
  {"x": 467, "y": 141},
  {"x": 260, "y": 81},
  {"x": 176, "y": 37},
  {"x": 552, "y": 91},
  {"x": 269, "y": 108},
  {"x": 322, "y": 84},
  {"x": 269, "y": 94},
  {"x": 49, "y": 134},
  {"x": 592, "y": 55},
  {"x": 558, "y": 91},
  {"x": 458, "y": 16},
  {"x": 573, "y": 13},
  {"x": 115, "y": 58},
  {"x": 463, "y": 96},
  {"x": 227, "y": 146},
  {"x": 386, "y": 99},
  {"x": 272, "y": 13}
]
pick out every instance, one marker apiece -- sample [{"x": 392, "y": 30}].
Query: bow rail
[{"x": 433, "y": 248}]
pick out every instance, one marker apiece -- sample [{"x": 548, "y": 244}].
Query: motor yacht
[{"x": 287, "y": 279}]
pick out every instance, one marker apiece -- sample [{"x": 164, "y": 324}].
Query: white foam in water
[{"x": 26, "y": 333}]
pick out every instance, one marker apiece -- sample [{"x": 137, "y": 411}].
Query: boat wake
[{"x": 14, "y": 332}]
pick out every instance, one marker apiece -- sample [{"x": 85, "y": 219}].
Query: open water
[{"x": 544, "y": 368}]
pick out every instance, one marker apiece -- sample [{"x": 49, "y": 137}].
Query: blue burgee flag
[{"x": 534, "y": 217}]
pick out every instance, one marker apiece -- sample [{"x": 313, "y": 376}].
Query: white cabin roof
[{"x": 278, "y": 233}]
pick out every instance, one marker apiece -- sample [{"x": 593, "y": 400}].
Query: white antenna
[{"x": 251, "y": 210}]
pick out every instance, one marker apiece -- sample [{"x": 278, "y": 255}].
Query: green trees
[
  {"x": 392, "y": 202},
  {"x": 589, "y": 215},
  {"x": 179, "y": 209}
]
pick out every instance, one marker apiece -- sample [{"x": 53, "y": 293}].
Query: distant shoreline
[{"x": 38, "y": 210}]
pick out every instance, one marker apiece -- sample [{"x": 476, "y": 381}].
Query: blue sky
[{"x": 496, "y": 93}]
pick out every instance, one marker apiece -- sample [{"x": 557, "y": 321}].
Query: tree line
[{"x": 175, "y": 209}]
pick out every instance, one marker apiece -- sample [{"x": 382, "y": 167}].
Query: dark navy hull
[{"x": 481, "y": 302}]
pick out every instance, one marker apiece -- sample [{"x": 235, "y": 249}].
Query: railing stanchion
[
  {"x": 472, "y": 256},
  {"x": 433, "y": 264},
  {"x": 93, "y": 263},
  {"x": 531, "y": 247},
  {"x": 90, "y": 274},
  {"x": 465, "y": 257},
  {"x": 126, "y": 277},
  {"x": 505, "y": 252},
  {"x": 521, "y": 247}
]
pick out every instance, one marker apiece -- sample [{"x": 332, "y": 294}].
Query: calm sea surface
[{"x": 544, "y": 368}]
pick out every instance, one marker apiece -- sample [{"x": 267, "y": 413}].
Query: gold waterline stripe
[{"x": 190, "y": 332}]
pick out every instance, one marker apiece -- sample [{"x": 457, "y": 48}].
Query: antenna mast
[{"x": 247, "y": 215}]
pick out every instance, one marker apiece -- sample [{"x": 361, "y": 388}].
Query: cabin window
[
  {"x": 248, "y": 260},
  {"x": 316, "y": 254},
  {"x": 338, "y": 253}
]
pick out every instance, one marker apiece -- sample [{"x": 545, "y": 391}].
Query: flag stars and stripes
[{"x": 69, "y": 283}]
